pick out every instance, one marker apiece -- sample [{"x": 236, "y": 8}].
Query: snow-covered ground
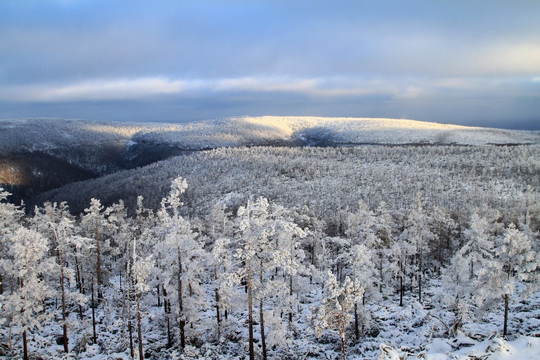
[{"x": 413, "y": 331}]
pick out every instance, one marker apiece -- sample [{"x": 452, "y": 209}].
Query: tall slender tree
[
  {"x": 334, "y": 313},
  {"x": 56, "y": 224},
  {"x": 183, "y": 255},
  {"x": 27, "y": 262},
  {"x": 515, "y": 262}
]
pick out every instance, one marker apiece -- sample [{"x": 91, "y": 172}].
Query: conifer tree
[
  {"x": 183, "y": 255},
  {"x": 254, "y": 238},
  {"x": 418, "y": 233},
  {"x": 512, "y": 271},
  {"x": 57, "y": 225},
  {"x": 94, "y": 222},
  {"x": 10, "y": 219},
  {"x": 27, "y": 262},
  {"x": 334, "y": 313}
]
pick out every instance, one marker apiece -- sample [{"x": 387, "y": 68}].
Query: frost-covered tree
[
  {"x": 94, "y": 222},
  {"x": 480, "y": 244},
  {"x": 444, "y": 243},
  {"x": 313, "y": 239},
  {"x": 288, "y": 256},
  {"x": 142, "y": 268},
  {"x": 418, "y": 233},
  {"x": 334, "y": 312},
  {"x": 457, "y": 291},
  {"x": 382, "y": 246},
  {"x": 27, "y": 262},
  {"x": 182, "y": 257},
  {"x": 401, "y": 253},
  {"x": 364, "y": 272},
  {"x": 224, "y": 278},
  {"x": 513, "y": 271},
  {"x": 254, "y": 251},
  {"x": 10, "y": 219},
  {"x": 57, "y": 225}
]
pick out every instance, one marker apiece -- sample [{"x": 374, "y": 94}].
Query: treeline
[{"x": 237, "y": 279}]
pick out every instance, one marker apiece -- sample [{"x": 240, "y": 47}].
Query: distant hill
[
  {"x": 37, "y": 155},
  {"x": 49, "y": 135},
  {"x": 315, "y": 131}
]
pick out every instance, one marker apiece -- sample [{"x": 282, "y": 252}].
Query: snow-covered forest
[{"x": 281, "y": 253}]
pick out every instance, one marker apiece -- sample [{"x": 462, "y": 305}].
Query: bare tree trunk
[
  {"x": 381, "y": 274},
  {"x": 64, "y": 316},
  {"x": 261, "y": 313},
  {"x": 341, "y": 326},
  {"x": 94, "y": 314},
  {"x": 123, "y": 315},
  {"x": 505, "y": 326},
  {"x": 290, "y": 294},
  {"x": 25, "y": 346},
  {"x": 130, "y": 326},
  {"x": 401, "y": 289},
  {"x": 182, "y": 322},
  {"x": 98, "y": 265},
  {"x": 356, "y": 331},
  {"x": 10, "y": 346},
  {"x": 419, "y": 287},
  {"x": 79, "y": 281},
  {"x": 216, "y": 293},
  {"x": 78, "y": 273},
  {"x": 139, "y": 327},
  {"x": 131, "y": 347},
  {"x": 420, "y": 256},
  {"x": 250, "y": 309},
  {"x": 165, "y": 300},
  {"x": 169, "y": 335}
]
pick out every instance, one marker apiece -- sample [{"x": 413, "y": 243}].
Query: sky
[{"x": 457, "y": 61}]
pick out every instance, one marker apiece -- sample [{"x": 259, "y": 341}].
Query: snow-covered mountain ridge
[
  {"x": 37, "y": 155},
  {"x": 50, "y": 134},
  {"x": 327, "y": 131}
]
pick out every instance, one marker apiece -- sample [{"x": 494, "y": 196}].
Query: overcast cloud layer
[{"x": 463, "y": 62}]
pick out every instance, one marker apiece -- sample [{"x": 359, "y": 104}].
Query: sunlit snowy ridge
[
  {"x": 327, "y": 130},
  {"x": 45, "y": 134}
]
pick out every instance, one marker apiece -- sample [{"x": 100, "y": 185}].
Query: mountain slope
[{"x": 78, "y": 150}]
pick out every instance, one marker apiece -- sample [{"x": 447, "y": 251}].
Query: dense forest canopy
[{"x": 328, "y": 180}]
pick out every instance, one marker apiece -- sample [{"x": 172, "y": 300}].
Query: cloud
[
  {"x": 147, "y": 87},
  {"x": 316, "y": 87},
  {"x": 301, "y": 56},
  {"x": 118, "y": 89}
]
